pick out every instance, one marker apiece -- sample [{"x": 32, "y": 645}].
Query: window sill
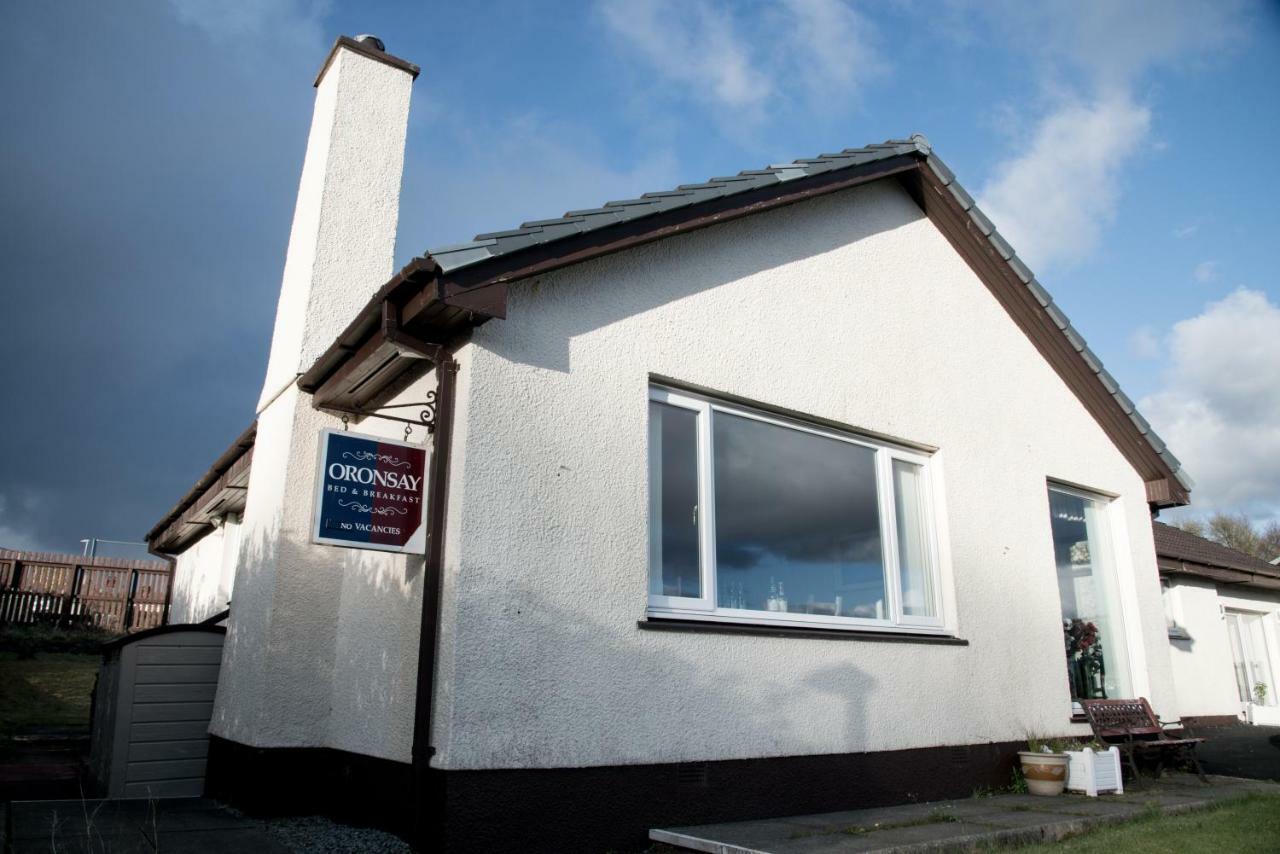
[{"x": 667, "y": 624}]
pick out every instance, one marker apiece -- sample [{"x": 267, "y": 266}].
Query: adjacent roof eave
[
  {"x": 1177, "y": 548},
  {"x": 1217, "y": 574},
  {"x": 442, "y": 295},
  {"x": 229, "y": 473}
]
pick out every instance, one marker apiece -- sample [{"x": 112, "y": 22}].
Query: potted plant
[
  {"x": 1258, "y": 711},
  {"x": 1093, "y": 767},
  {"x": 1085, "y": 666},
  {"x": 1044, "y": 765}
]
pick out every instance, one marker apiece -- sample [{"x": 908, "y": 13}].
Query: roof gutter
[
  {"x": 1222, "y": 575},
  {"x": 242, "y": 444}
]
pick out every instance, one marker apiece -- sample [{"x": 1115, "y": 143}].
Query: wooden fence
[{"x": 67, "y": 590}]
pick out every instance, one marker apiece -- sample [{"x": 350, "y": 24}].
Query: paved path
[{"x": 961, "y": 825}]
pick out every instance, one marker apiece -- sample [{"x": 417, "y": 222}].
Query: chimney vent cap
[{"x": 372, "y": 41}]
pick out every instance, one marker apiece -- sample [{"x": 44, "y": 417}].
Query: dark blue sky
[{"x": 150, "y": 153}]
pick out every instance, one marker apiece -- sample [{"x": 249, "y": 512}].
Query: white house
[
  {"x": 779, "y": 493},
  {"x": 1223, "y": 611}
]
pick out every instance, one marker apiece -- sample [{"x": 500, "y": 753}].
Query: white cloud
[
  {"x": 1090, "y": 57},
  {"x": 832, "y": 44},
  {"x": 289, "y": 21},
  {"x": 1115, "y": 43},
  {"x": 1186, "y": 231},
  {"x": 1052, "y": 201},
  {"x": 1144, "y": 343},
  {"x": 1219, "y": 408},
  {"x": 741, "y": 63},
  {"x": 694, "y": 44},
  {"x": 1205, "y": 272}
]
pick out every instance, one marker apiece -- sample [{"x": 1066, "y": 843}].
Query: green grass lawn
[
  {"x": 1250, "y": 825},
  {"x": 50, "y": 690}
]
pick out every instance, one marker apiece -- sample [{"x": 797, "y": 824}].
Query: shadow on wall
[
  {"x": 343, "y": 645},
  {"x": 541, "y": 683},
  {"x": 676, "y": 268}
]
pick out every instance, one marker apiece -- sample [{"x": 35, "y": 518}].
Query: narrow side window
[{"x": 673, "y": 502}]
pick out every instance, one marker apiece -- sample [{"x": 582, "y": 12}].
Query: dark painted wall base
[
  {"x": 589, "y": 809},
  {"x": 613, "y": 808},
  {"x": 280, "y": 781}
]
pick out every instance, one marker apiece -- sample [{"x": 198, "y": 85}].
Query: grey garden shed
[{"x": 151, "y": 711}]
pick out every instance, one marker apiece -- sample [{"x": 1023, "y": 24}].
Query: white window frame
[{"x": 704, "y": 607}]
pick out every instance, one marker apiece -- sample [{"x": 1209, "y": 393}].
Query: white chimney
[
  {"x": 276, "y": 685},
  {"x": 342, "y": 244}
]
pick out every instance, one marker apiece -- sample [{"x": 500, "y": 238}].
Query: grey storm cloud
[{"x": 148, "y": 184}]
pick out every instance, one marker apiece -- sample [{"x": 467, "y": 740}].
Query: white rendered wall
[
  {"x": 852, "y": 308},
  {"x": 204, "y": 574},
  {"x": 197, "y": 574},
  {"x": 1203, "y": 667}
]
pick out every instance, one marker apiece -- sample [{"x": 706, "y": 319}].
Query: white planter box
[
  {"x": 1093, "y": 772},
  {"x": 1263, "y": 715}
]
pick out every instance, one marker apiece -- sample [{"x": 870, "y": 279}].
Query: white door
[{"x": 1254, "y": 682}]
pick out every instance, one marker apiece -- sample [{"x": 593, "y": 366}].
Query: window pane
[
  {"x": 1238, "y": 658},
  {"x": 1093, "y": 633},
  {"x": 797, "y": 523},
  {"x": 1261, "y": 688},
  {"x": 913, "y": 555},
  {"x": 673, "y": 501}
]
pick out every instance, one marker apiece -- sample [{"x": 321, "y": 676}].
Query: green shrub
[{"x": 26, "y": 641}]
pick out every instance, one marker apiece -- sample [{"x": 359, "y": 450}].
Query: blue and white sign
[{"x": 370, "y": 493}]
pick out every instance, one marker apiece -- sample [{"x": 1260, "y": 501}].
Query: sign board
[{"x": 370, "y": 493}]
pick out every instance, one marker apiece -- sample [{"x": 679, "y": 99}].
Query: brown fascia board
[
  {"x": 930, "y": 183},
  {"x": 1218, "y": 575},
  {"x": 1163, "y": 486},
  {"x": 418, "y": 276},
  {"x": 228, "y": 494},
  {"x": 242, "y": 446}
]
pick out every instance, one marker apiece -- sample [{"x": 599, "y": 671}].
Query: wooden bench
[{"x": 1131, "y": 726}]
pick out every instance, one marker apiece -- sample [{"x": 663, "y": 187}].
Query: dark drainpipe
[
  {"x": 168, "y": 587},
  {"x": 428, "y": 783}
]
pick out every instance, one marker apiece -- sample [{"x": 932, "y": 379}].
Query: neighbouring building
[
  {"x": 1223, "y": 612},
  {"x": 785, "y": 492}
]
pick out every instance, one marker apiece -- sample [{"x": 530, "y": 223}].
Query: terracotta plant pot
[{"x": 1045, "y": 773}]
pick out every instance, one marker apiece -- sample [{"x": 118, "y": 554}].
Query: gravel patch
[{"x": 316, "y": 834}]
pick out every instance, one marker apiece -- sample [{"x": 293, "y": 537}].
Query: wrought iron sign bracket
[{"x": 426, "y": 413}]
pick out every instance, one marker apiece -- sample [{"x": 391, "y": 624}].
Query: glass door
[
  {"x": 1092, "y": 624},
  {"x": 1254, "y": 682}
]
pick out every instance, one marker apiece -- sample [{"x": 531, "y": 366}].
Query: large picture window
[
  {"x": 1092, "y": 625},
  {"x": 758, "y": 518}
]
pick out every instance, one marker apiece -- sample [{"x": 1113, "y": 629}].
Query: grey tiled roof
[
  {"x": 498, "y": 243},
  {"x": 1180, "y": 545}
]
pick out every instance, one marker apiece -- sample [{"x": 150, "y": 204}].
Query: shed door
[{"x": 174, "y": 677}]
